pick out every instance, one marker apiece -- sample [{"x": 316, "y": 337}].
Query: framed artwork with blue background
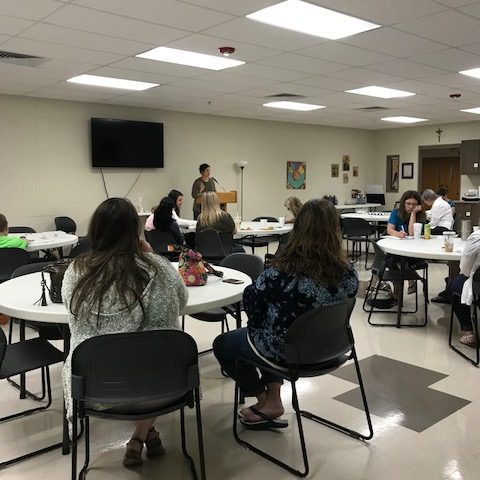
[{"x": 296, "y": 175}]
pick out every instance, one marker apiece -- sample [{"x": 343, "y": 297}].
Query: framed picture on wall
[
  {"x": 393, "y": 173},
  {"x": 296, "y": 175},
  {"x": 407, "y": 170}
]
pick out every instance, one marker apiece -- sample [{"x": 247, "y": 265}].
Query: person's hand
[
  {"x": 145, "y": 246},
  {"x": 402, "y": 234},
  {"x": 202, "y": 187},
  {"x": 418, "y": 208}
]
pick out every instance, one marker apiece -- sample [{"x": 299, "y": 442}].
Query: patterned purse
[{"x": 193, "y": 269}]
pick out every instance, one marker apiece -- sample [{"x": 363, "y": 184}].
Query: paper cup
[
  {"x": 417, "y": 230},
  {"x": 281, "y": 221}
]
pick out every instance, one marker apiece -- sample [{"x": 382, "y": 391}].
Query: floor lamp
[{"x": 242, "y": 165}]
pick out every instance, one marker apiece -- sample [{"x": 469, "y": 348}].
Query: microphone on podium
[{"x": 218, "y": 183}]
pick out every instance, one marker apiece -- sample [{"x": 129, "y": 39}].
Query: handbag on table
[
  {"x": 193, "y": 269},
  {"x": 57, "y": 272}
]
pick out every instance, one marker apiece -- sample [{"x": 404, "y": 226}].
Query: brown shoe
[
  {"x": 133, "y": 455},
  {"x": 154, "y": 444}
]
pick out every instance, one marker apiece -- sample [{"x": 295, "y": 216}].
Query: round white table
[
  {"x": 347, "y": 206},
  {"x": 369, "y": 216},
  {"x": 432, "y": 249},
  {"x": 47, "y": 240},
  {"x": 257, "y": 229}
]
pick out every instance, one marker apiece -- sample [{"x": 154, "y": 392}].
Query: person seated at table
[
  {"x": 312, "y": 270},
  {"x": 9, "y": 242},
  {"x": 293, "y": 205},
  {"x": 164, "y": 222},
  {"x": 120, "y": 286},
  {"x": 460, "y": 290},
  {"x": 213, "y": 217},
  {"x": 177, "y": 198},
  {"x": 400, "y": 223},
  {"x": 443, "y": 192},
  {"x": 440, "y": 214}
]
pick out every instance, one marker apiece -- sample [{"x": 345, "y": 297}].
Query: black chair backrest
[
  {"x": 269, "y": 219},
  {"x": 380, "y": 259},
  {"x": 84, "y": 246},
  {"x": 135, "y": 367},
  {"x": 320, "y": 335},
  {"x": 17, "y": 229},
  {"x": 10, "y": 260},
  {"x": 213, "y": 245},
  {"x": 251, "y": 265},
  {"x": 357, "y": 227},
  {"x": 30, "y": 268},
  {"x": 65, "y": 224},
  {"x": 160, "y": 240},
  {"x": 476, "y": 282}
]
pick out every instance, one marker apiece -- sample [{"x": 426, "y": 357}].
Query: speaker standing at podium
[{"x": 202, "y": 184}]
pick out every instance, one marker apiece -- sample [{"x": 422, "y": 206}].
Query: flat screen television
[{"x": 126, "y": 143}]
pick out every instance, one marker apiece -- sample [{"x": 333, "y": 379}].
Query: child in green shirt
[{"x": 5, "y": 240}]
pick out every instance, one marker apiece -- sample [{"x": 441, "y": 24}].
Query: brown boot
[
  {"x": 133, "y": 455},
  {"x": 154, "y": 444}
]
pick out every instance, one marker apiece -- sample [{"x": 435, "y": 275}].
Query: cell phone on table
[{"x": 235, "y": 281}]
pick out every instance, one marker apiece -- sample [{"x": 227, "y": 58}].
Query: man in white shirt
[{"x": 440, "y": 213}]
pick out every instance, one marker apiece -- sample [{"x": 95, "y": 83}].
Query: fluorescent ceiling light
[
  {"x": 192, "y": 59},
  {"x": 404, "y": 119},
  {"x": 380, "y": 92},
  {"x": 304, "y": 107},
  {"x": 111, "y": 82},
  {"x": 311, "y": 19},
  {"x": 472, "y": 110},
  {"x": 474, "y": 72}
]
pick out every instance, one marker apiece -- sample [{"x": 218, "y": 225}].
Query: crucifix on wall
[{"x": 439, "y": 133}]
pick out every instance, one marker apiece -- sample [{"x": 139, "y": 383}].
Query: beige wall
[
  {"x": 45, "y": 160},
  {"x": 405, "y": 142}
]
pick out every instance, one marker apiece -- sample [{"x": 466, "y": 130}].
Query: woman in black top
[{"x": 164, "y": 222}]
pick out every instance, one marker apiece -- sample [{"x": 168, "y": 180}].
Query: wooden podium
[{"x": 223, "y": 198}]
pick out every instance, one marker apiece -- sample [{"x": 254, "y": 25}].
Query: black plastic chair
[
  {"x": 84, "y": 246},
  {"x": 65, "y": 224},
  {"x": 214, "y": 246},
  {"x": 474, "y": 317},
  {"x": 317, "y": 343},
  {"x": 160, "y": 241},
  {"x": 152, "y": 366},
  {"x": 10, "y": 260},
  {"x": 23, "y": 357},
  {"x": 252, "y": 266},
  {"x": 357, "y": 231},
  {"x": 253, "y": 241},
  {"x": 21, "y": 230},
  {"x": 383, "y": 273}
]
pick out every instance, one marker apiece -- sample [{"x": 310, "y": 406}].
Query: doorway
[{"x": 440, "y": 167}]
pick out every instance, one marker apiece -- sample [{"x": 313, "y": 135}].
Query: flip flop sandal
[
  {"x": 266, "y": 423},
  {"x": 468, "y": 340},
  {"x": 412, "y": 289}
]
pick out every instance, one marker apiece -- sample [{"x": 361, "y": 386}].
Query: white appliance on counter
[{"x": 472, "y": 195}]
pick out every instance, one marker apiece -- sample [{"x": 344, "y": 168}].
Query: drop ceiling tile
[
  {"x": 393, "y": 42},
  {"x": 346, "y": 54},
  {"x": 215, "y": 87},
  {"x": 256, "y": 33},
  {"x": 472, "y": 48},
  {"x": 330, "y": 83},
  {"x": 90, "y": 20},
  {"x": 70, "y": 67},
  {"x": 450, "y": 27},
  {"x": 133, "y": 75},
  {"x": 15, "y": 88},
  {"x": 52, "y": 50},
  {"x": 297, "y": 89},
  {"x": 207, "y": 44},
  {"x": 82, "y": 39},
  {"x": 300, "y": 63},
  {"x": 406, "y": 68},
  {"x": 422, "y": 87},
  {"x": 23, "y": 77},
  {"x": 166, "y": 12},
  {"x": 364, "y": 76},
  {"x": 193, "y": 92},
  {"x": 235, "y": 79},
  {"x": 384, "y": 12},
  {"x": 32, "y": 72},
  {"x": 451, "y": 59},
  {"x": 473, "y": 9},
  {"x": 454, "y": 80},
  {"x": 13, "y": 25},
  {"x": 265, "y": 71},
  {"x": 30, "y": 9},
  {"x": 235, "y": 8}
]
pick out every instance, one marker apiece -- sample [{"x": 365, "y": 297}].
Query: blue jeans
[{"x": 228, "y": 347}]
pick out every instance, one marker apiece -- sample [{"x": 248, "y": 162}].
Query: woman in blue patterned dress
[{"x": 311, "y": 271}]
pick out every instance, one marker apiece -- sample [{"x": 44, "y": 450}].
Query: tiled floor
[{"x": 424, "y": 400}]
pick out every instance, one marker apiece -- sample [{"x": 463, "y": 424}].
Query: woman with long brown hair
[
  {"x": 400, "y": 223},
  {"x": 293, "y": 205},
  {"x": 312, "y": 270},
  {"x": 120, "y": 286}
]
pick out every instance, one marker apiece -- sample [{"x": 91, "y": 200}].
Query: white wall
[
  {"x": 45, "y": 160},
  {"x": 405, "y": 142}
]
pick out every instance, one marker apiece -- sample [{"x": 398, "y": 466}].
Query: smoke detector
[{"x": 226, "y": 51}]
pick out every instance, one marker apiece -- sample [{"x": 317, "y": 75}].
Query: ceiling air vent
[
  {"x": 289, "y": 96},
  {"x": 372, "y": 109},
  {"x": 21, "y": 59}
]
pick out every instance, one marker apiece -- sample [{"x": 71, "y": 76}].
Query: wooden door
[{"x": 442, "y": 172}]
